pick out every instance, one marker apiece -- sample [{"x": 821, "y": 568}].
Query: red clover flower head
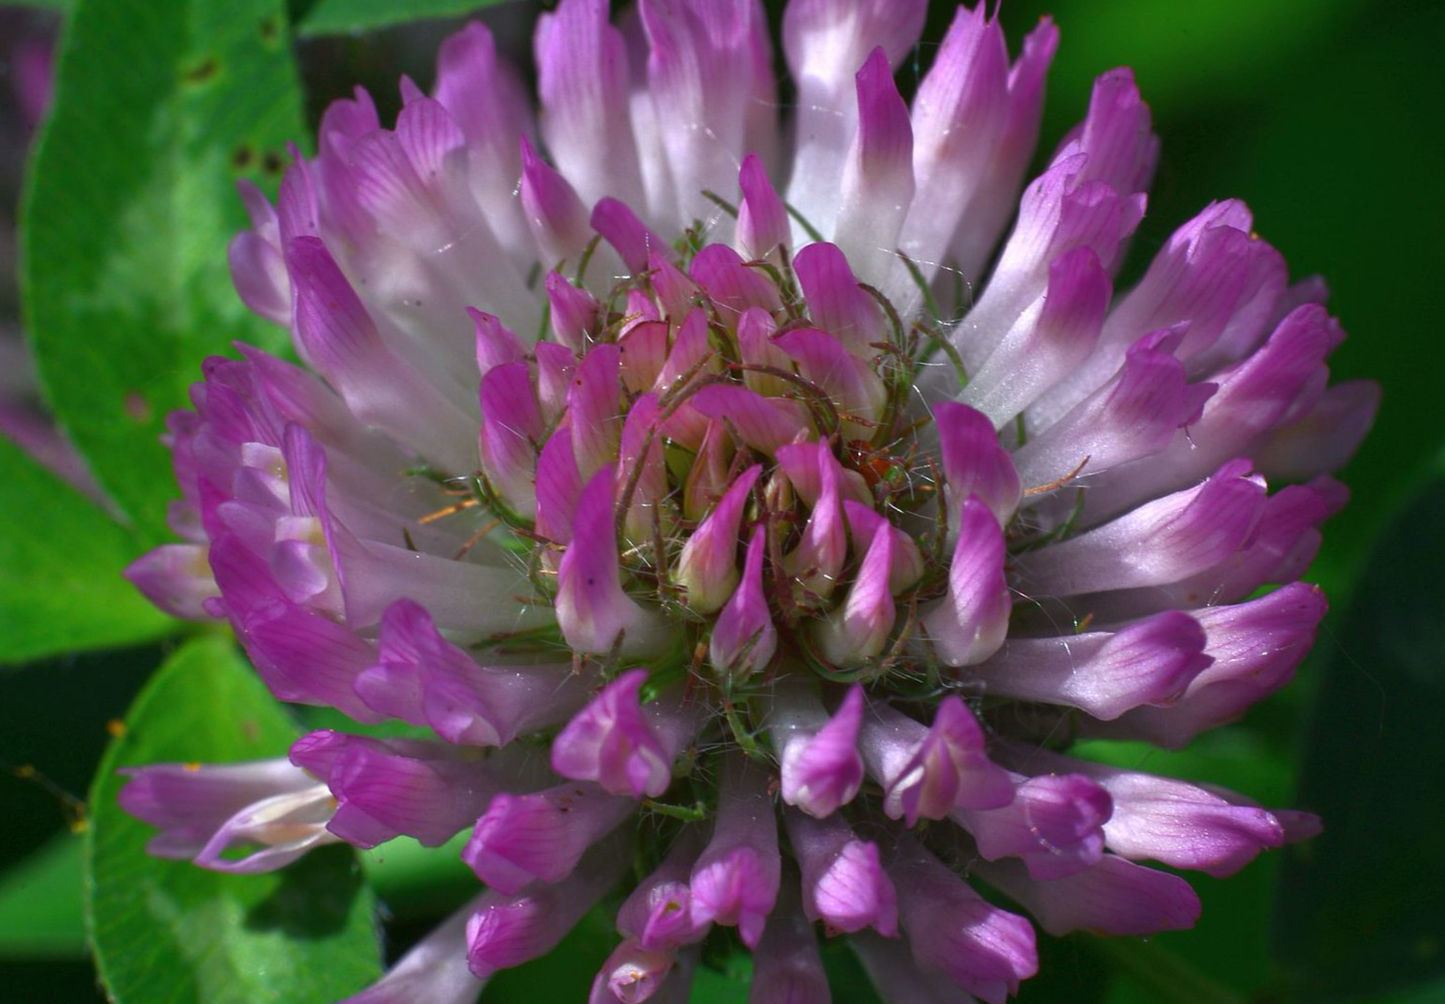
[{"x": 720, "y": 502}]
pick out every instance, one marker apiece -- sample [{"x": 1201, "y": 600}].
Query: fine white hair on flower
[{"x": 729, "y": 492}]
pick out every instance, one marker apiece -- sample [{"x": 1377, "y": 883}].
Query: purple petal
[
  {"x": 735, "y": 881},
  {"x": 624, "y": 747},
  {"x": 983, "y": 949},
  {"x": 743, "y": 638},
  {"x": 707, "y": 571},
  {"x": 522, "y": 838},
  {"x": 1113, "y": 897},
  {"x": 844, "y": 884}
]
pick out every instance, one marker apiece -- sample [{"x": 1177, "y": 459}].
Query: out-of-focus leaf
[
  {"x": 60, "y": 562},
  {"x": 1359, "y": 907},
  {"x": 159, "y": 106},
  {"x": 169, "y": 931},
  {"x": 1155, "y": 974},
  {"x": 40, "y": 911},
  {"x": 337, "y": 17},
  {"x": 417, "y": 882}
]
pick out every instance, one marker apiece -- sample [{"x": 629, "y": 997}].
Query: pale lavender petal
[
  {"x": 1113, "y": 897},
  {"x": 877, "y": 185},
  {"x": 1151, "y": 662}
]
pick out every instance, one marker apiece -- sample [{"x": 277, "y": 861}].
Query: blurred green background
[{"x": 1324, "y": 115}]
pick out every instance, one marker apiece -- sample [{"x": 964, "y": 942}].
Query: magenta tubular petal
[
  {"x": 1054, "y": 823},
  {"x": 974, "y": 462},
  {"x": 708, "y": 568},
  {"x": 1048, "y": 342},
  {"x": 559, "y": 488},
  {"x": 836, "y": 303},
  {"x": 496, "y": 344},
  {"x": 640, "y": 466},
  {"x": 631, "y": 974},
  {"x": 1180, "y": 824},
  {"x": 959, "y": 114},
  {"x": 863, "y": 523},
  {"x": 1133, "y": 415},
  {"x": 826, "y": 41},
  {"x": 818, "y": 559},
  {"x": 970, "y": 622},
  {"x": 735, "y": 881},
  {"x": 582, "y": 80},
  {"x": 620, "y": 227},
  {"x": 625, "y": 748},
  {"x": 732, "y": 286},
  {"x": 644, "y": 350},
  {"x": 844, "y": 884},
  {"x": 508, "y": 929},
  {"x": 1113, "y": 897},
  {"x": 543, "y": 835},
  {"x": 511, "y": 425},
  {"x": 926, "y": 772},
  {"x": 763, "y": 423},
  {"x": 593, "y": 610},
  {"x": 981, "y": 948},
  {"x": 658, "y": 911},
  {"x": 421, "y": 678},
  {"x": 340, "y": 340},
  {"x": 763, "y": 226},
  {"x": 388, "y": 787},
  {"x": 997, "y": 196},
  {"x": 857, "y": 631},
  {"x": 302, "y": 656},
  {"x": 806, "y": 466},
  {"x": 558, "y": 221},
  {"x": 573, "y": 312},
  {"x": 947, "y": 769},
  {"x": 675, "y": 293},
  {"x": 1256, "y": 647},
  {"x": 821, "y": 768},
  {"x": 593, "y": 409},
  {"x": 744, "y": 639},
  {"x": 848, "y": 380}
]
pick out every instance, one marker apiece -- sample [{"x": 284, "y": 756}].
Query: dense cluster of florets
[{"x": 782, "y": 545}]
